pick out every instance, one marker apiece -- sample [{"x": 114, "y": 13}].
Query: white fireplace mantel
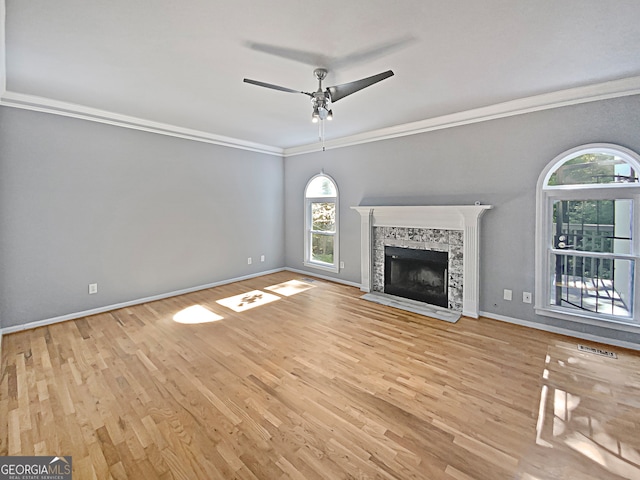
[{"x": 445, "y": 217}]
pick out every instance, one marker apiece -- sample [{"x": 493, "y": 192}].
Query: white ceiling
[{"x": 182, "y": 63}]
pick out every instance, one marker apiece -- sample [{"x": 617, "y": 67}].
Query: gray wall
[
  {"x": 496, "y": 162},
  {"x": 138, "y": 213},
  {"x": 143, "y": 214}
]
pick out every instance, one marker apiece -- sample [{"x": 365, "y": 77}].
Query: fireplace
[
  {"x": 416, "y": 274},
  {"x": 454, "y": 229}
]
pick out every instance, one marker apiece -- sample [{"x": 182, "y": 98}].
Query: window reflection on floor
[{"x": 589, "y": 412}]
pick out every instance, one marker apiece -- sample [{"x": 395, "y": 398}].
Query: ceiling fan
[{"x": 321, "y": 99}]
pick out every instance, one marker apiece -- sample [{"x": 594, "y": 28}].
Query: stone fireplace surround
[
  {"x": 452, "y": 228},
  {"x": 449, "y": 241}
]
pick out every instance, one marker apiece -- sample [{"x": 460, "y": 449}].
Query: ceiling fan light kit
[{"x": 321, "y": 99}]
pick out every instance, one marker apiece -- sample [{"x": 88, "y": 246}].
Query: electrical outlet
[
  {"x": 262, "y": 258},
  {"x": 249, "y": 261},
  {"x": 526, "y": 297},
  {"x": 93, "y": 288},
  {"x": 508, "y": 294}
]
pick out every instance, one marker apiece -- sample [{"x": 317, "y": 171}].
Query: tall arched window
[
  {"x": 587, "y": 237},
  {"x": 321, "y": 223}
]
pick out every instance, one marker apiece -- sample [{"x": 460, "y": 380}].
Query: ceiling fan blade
[
  {"x": 340, "y": 91},
  {"x": 274, "y": 87}
]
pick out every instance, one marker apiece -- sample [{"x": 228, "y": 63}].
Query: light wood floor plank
[{"x": 316, "y": 385}]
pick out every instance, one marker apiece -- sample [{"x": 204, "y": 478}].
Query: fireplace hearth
[{"x": 420, "y": 275}]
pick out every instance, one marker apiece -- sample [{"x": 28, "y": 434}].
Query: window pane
[
  {"x": 321, "y": 187},
  {"x": 593, "y": 225},
  {"x": 322, "y": 248},
  {"x": 323, "y": 216},
  {"x": 592, "y": 168},
  {"x": 600, "y": 285}
]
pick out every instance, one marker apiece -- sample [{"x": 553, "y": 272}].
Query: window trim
[
  {"x": 545, "y": 196},
  {"x": 308, "y": 201}
]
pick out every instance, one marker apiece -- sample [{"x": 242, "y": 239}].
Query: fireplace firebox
[{"x": 416, "y": 274}]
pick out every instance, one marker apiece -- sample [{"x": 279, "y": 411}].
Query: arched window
[
  {"x": 321, "y": 223},
  {"x": 587, "y": 237}
]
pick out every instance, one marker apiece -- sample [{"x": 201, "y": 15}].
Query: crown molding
[
  {"x": 562, "y": 98},
  {"x": 47, "y": 105}
]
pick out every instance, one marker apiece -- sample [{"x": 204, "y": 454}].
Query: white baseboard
[
  {"x": 323, "y": 277},
  {"x": 562, "y": 331},
  {"x": 503, "y": 318},
  {"x": 108, "y": 308},
  {"x": 494, "y": 316}
]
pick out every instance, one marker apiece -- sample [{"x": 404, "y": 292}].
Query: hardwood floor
[{"x": 308, "y": 381}]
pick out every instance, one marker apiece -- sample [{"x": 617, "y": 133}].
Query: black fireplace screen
[{"x": 416, "y": 274}]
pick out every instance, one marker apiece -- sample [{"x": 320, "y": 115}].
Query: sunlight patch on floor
[
  {"x": 246, "y": 301},
  {"x": 289, "y": 288},
  {"x": 196, "y": 314}
]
